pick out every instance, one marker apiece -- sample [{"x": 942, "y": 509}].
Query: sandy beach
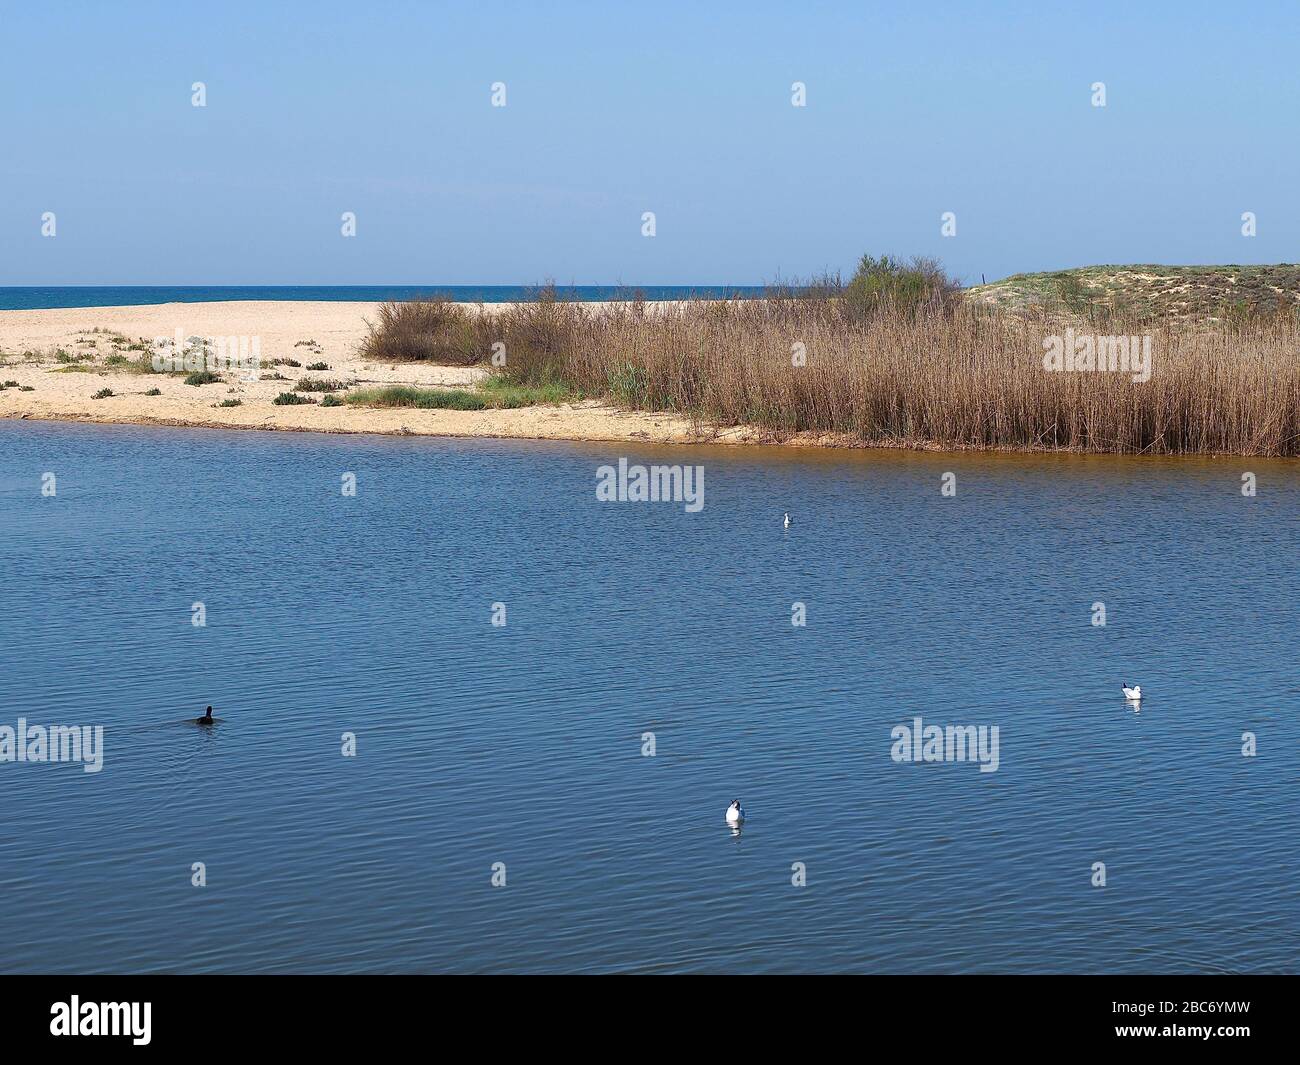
[{"x": 42, "y": 384}]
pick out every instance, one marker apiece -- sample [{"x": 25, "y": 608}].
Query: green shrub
[
  {"x": 289, "y": 399},
  {"x": 330, "y": 401},
  {"x": 154, "y": 392},
  {"x": 886, "y": 283},
  {"x": 202, "y": 377},
  {"x": 318, "y": 366},
  {"x": 103, "y": 393},
  {"x": 231, "y": 403}
]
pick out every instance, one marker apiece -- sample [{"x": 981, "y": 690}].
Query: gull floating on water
[
  {"x": 734, "y": 813},
  {"x": 787, "y": 519},
  {"x": 1133, "y": 694}
]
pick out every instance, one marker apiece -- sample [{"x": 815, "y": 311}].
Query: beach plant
[
  {"x": 318, "y": 366},
  {"x": 154, "y": 392},
  {"x": 628, "y": 384},
  {"x": 500, "y": 391},
  {"x": 411, "y": 396},
  {"x": 883, "y": 283},
  {"x": 290, "y": 399},
  {"x": 103, "y": 393},
  {"x": 435, "y": 330},
  {"x": 494, "y": 393},
  {"x": 230, "y": 403},
  {"x": 330, "y": 401},
  {"x": 202, "y": 377},
  {"x": 324, "y": 384}
]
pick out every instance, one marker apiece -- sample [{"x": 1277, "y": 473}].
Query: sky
[{"x": 384, "y": 109}]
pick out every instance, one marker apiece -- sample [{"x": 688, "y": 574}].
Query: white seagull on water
[
  {"x": 734, "y": 813},
  {"x": 1134, "y": 694},
  {"x": 787, "y": 519}
]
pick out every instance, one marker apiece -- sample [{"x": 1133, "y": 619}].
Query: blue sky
[{"x": 384, "y": 109}]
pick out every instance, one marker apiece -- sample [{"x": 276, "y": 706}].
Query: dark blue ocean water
[
  {"x": 14, "y": 298},
  {"x": 522, "y": 744}
]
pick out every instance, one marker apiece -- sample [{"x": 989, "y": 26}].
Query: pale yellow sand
[{"x": 336, "y": 327}]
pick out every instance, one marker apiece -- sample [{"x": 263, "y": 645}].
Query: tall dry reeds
[
  {"x": 436, "y": 330},
  {"x": 936, "y": 372}
]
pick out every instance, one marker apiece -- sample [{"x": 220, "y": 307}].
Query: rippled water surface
[{"x": 523, "y": 744}]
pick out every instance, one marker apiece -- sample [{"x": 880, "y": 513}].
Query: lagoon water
[{"x": 523, "y": 744}]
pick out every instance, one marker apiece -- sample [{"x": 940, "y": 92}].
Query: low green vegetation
[
  {"x": 502, "y": 392},
  {"x": 230, "y": 403},
  {"x": 494, "y": 393},
  {"x": 154, "y": 392},
  {"x": 318, "y": 366},
  {"x": 423, "y": 398},
  {"x": 103, "y": 393},
  {"x": 330, "y": 401},
  {"x": 291, "y": 399}
]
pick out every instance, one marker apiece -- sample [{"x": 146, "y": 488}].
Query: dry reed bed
[{"x": 943, "y": 375}]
